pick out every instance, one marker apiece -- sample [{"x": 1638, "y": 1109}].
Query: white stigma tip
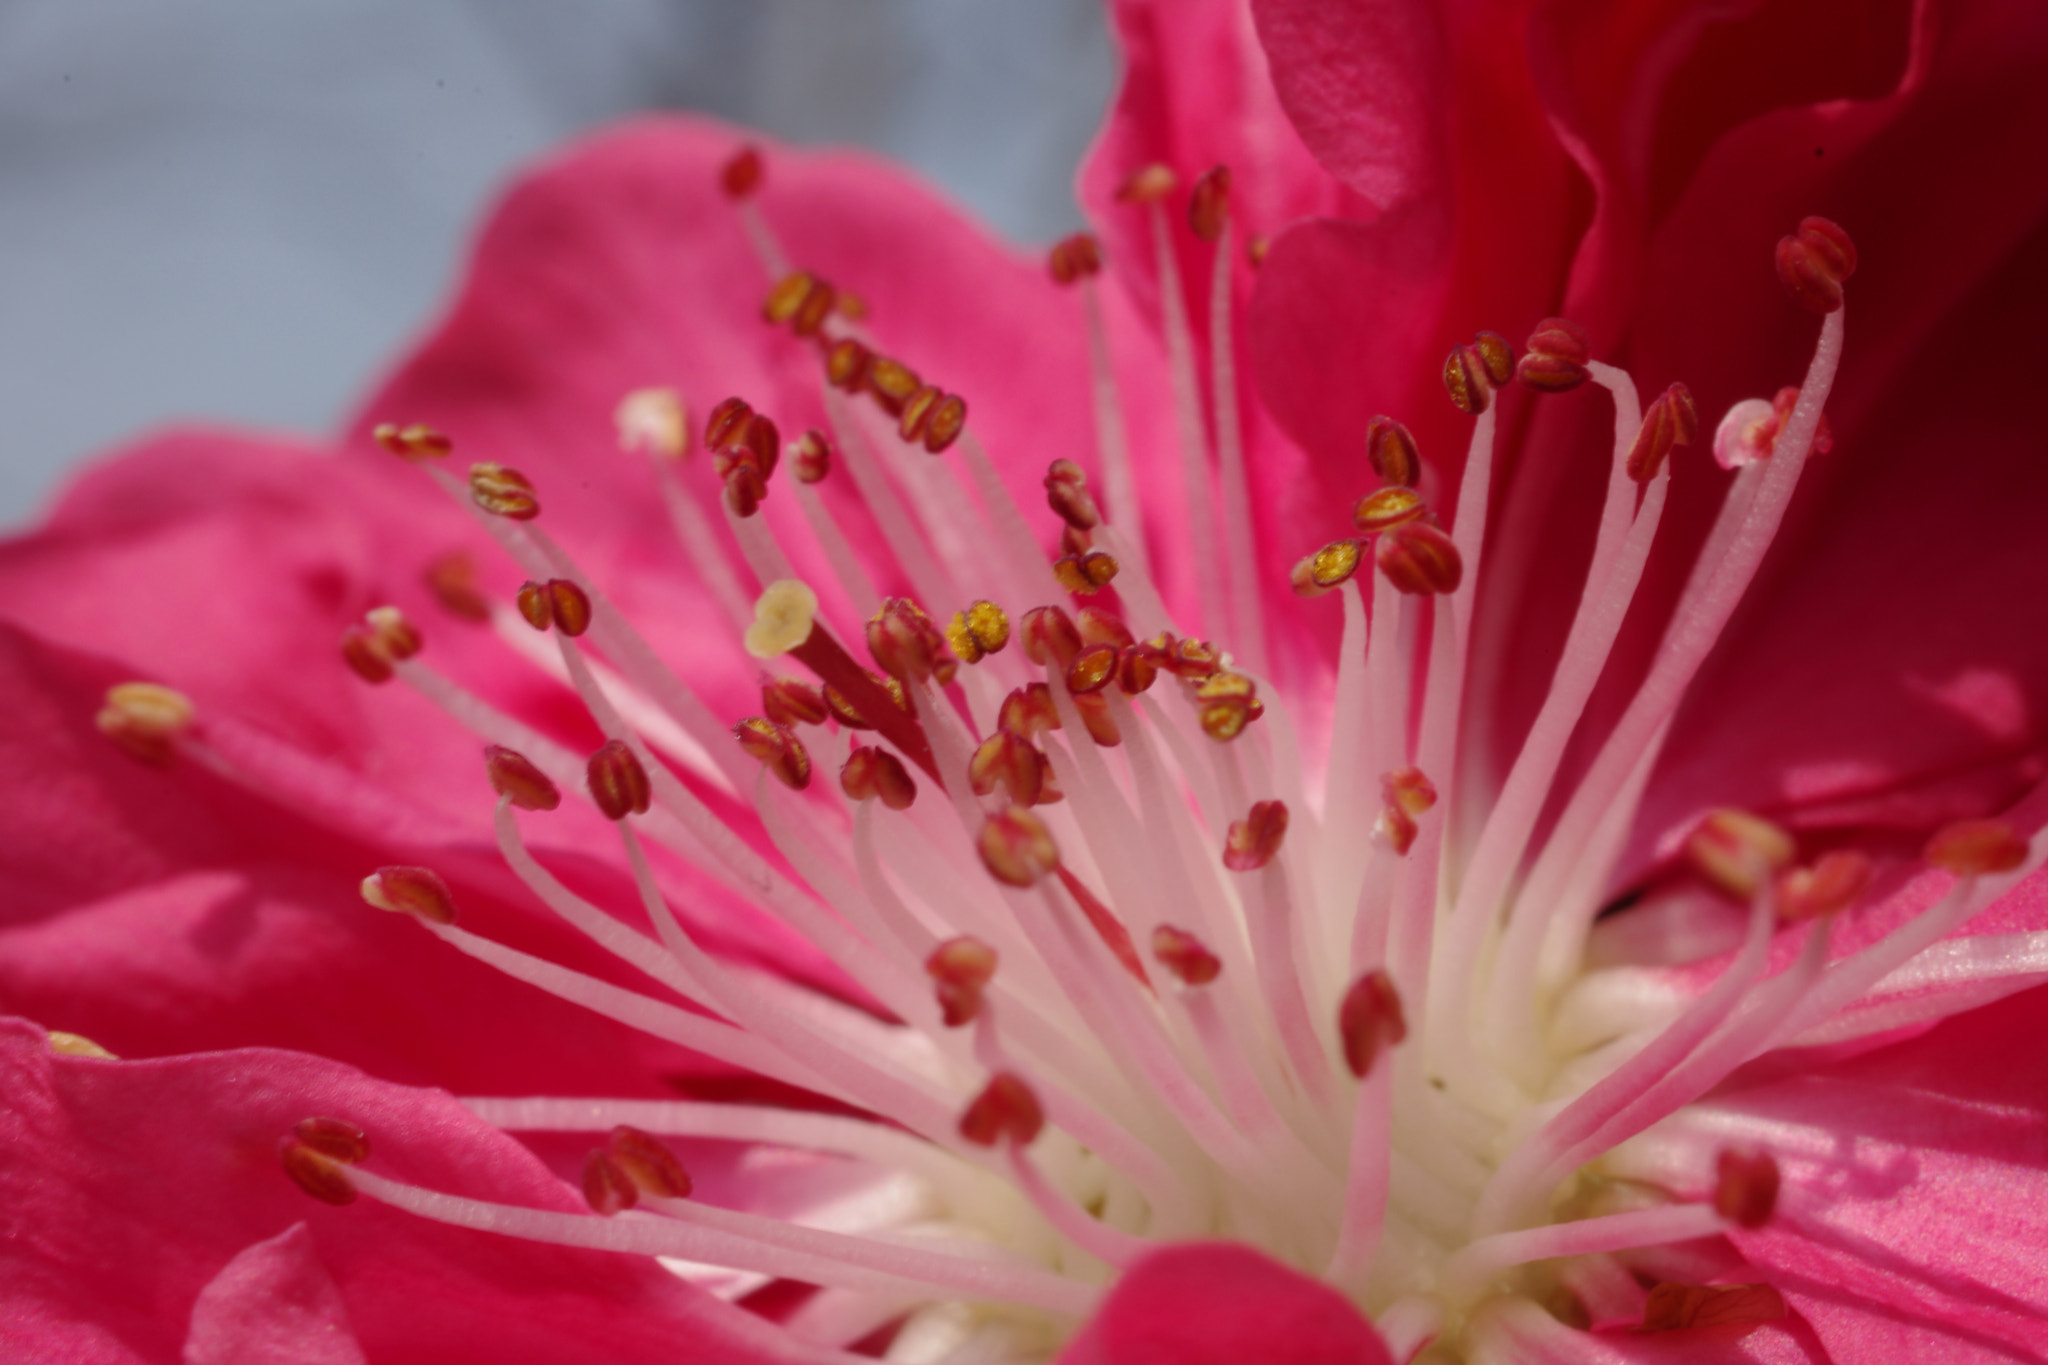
[
  {"x": 782, "y": 618},
  {"x": 653, "y": 420}
]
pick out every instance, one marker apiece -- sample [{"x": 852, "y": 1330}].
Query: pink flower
[{"x": 1576, "y": 933}]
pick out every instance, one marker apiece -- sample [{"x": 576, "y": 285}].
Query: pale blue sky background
[{"x": 237, "y": 209}]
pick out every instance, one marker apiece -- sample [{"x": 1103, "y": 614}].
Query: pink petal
[
  {"x": 1221, "y": 1303},
  {"x": 274, "y": 1304}
]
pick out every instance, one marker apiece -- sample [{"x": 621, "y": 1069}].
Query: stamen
[
  {"x": 145, "y": 719},
  {"x": 1737, "y": 851},
  {"x": 1555, "y": 361},
  {"x": 1390, "y": 450},
  {"x": 410, "y": 891},
  {"x": 1670, "y": 420},
  {"x": 1972, "y": 848},
  {"x": 1016, "y": 848},
  {"x": 503, "y": 492}
]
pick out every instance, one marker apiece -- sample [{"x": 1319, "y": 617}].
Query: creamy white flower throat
[{"x": 1148, "y": 961}]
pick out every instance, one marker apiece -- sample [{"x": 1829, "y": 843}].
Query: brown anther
[
  {"x": 453, "y": 580},
  {"x": 1092, "y": 669},
  {"x": 145, "y": 719},
  {"x": 1016, "y": 847},
  {"x": 781, "y": 752},
  {"x": 891, "y": 382},
  {"x": 1006, "y": 759},
  {"x": 1191, "y": 660},
  {"x": 1255, "y": 840},
  {"x": 960, "y": 968},
  {"x": 1391, "y": 451},
  {"x": 1814, "y": 261},
  {"x": 870, "y": 772},
  {"x": 1556, "y": 359},
  {"x": 1370, "y": 1020},
  {"x": 1066, "y": 492},
  {"x": 503, "y": 492},
  {"x": 1137, "y": 668},
  {"x": 1028, "y": 710},
  {"x": 648, "y": 1163},
  {"x": 846, "y": 365},
  {"x": 1085, "y": 574},
  {"x": 945, "y": 424},
  {"x": 1147, "y": 184},
  {"x": 852, "y": 306},
  {"x": 413, "y": 441},
  {"x": 513, "y": 775},
  {"x": 606, "y": 1186},
  {"x": 1383, "y": 510},
  {"x": 410, "y": 891},
  {"x": 787, "y": 295},
  {"x": 981, "y": 630},
  {"x": 744, "y": 488},
  {"x": 1224, "y": 719},
  {"x": 1466, "y": 382},
  {"x": 1670, "y": 420},
  {"x": 618, "y": 784},
  {"x": 1738, "y": 852},
  {"x": 1099, "y": 626},
  {"x": 1420, "y": 558},
  {"x": 360, "y": 652},
  {"x": 1836, "y": 881},
  {"x": 790, "y": 701},
  {"x": 904, "y": 642},
  {"x": 1049, "y": 636},
  {"x": 1074, "y": 258},
  {"x": 1746, "y": 1187},
  {"x": 316, "y": 1173},
  {"x": 812, "y": 455},
  {"x": 1209, "y": 203},
  {"x": 1006, "y": 1108},
  {"x": 1395, "y": 828},
  {"x": 1497, "y": 355},
  {"x": 384, "y": 638},
  {"x": 1097, "y": 720},
  {"x": 818, "y": 305},
  {"x": 558, "y": 602},
  {"x": 1674, "y": 1307},
  {"x": 1186, "y": 956},
  {"x": 726, "y": 425},
  {"x": 741, "y": 174},
  {"x": 1408, "y": 789},
  {"x": 1971, "y": 848},
  {"x": 335, "y": 1139},
  {"x": 916, "y": 408}
]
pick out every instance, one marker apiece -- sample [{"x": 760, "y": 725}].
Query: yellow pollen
[{"x": 782, "y": 618}]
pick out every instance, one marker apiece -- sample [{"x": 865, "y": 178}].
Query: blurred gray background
[{"x": 240, "y": 209}]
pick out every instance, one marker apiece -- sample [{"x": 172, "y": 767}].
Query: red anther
[
  {"x": 1137, "y": 668},
  {"x": 1097, "y": 720},
  {"x": 846, "y": 365},
  {"x": 1049, "y": 793},
  {"x": 413, "y": 441},
  {"x": 1016, "y": 847},
  {"x": 1814, "y": 261},
  {"x": 453, "y": 580},
  {"x": 1556, "y": 359},
  {"x": 945, "y": 424},
  {"x": 1146, "y": 184},
  {"x": 787, "y": 295},
  {"x": 1049, "y": 636},
  {"x": 1737, "y": 851},
  {"x": 758, "y": 438},
  {"x": 534, "y": 606},
  {"x": 781, "y": 752},
  {"x": 648, "y": 1163},
  {"x": 1395, "y": 828},
  {"x": 1369, "y": 1020},
  {"x": 1465, "y": 380},
  {"x": 1674, "y": 1307},
  {"x": 960, "y": 968},
  {"x": 813, "y": 456},
  {"x": 335, "y": 1139},
  {"x": 617, "y": 781},
  {"x": 385, "y": 638},
  {"x": 569, "y": 605},
  {"x": 359, "y": 650},
  {"x": 916, "y": 408},
  {"x": 745, "y": 488},
  {"x": 1066, "y": 492},
  {"x": 1092, "y": 669},
  {"x": 1191, "y": 660},
  {"x": 1419, "y": 558},
  {"x": 1186, "y": 956},
  {"x": 1671, "y": 420},
  {"x": 503, "y": 492},
  {"x": 606, "y": 1186},
  {"x": 741, "y": 175},
  {"x": 903, "y": 640},
  {"x": 1381, "y": 511},
  {"x": 1746, "y": 1187},
  {"x": 891, "y": 382},
  {"x": 727, "y": 421},
  {"x": 1086, "y": 574},
  {"x": 1408, "y": 789},
  {"x": 1074, "y": 258},
  {"x": 1028, "y": 710},
  {"x": 410, "y": 891},
  {"x": 513, "y": 775},
  {"x": 1101, "y": 627},
  {"x": 1496, "y": 355},
  {"x": 145, "y": 720},
  {"x": 877, "y": 773},
  {"x": 1255, "y": 840},
  {"x": 1833, "y": 884},
  {"x": 1390, "y": 450},
  {"x": 789, "y": 702},
  {"x": 1318, "y": 573},
  {"x": 1006, "y": 1108},
  {"x": 1006, "y": 759},
  {"x": 316, "y": 1173},
  {"x": 1209, "y": 203},
  {"x": 1971, "y": 848}
]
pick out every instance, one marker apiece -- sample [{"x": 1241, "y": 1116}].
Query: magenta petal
[
  {"x": 1221, "y": 1303},
  {"x": 274, "y": 1304}
]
